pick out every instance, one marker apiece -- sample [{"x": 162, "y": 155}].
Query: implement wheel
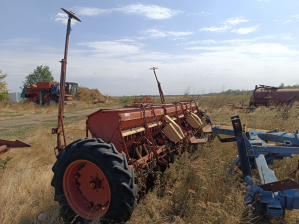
[{"x": 92, "y": 181}]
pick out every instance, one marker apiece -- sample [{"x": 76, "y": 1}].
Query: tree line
[{"x": 40, "y": 74}]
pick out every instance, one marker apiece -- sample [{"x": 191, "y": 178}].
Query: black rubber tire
[{"x": 115, "y": 167}]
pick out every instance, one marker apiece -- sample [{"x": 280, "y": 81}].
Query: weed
[{"x": 3, "y": 162}]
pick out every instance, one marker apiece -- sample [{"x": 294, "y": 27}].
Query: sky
[{"x": 199, "y": 46}]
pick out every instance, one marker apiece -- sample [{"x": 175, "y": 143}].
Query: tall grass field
[{"x": 196, "y": 188}]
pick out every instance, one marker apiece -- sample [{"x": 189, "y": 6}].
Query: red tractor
[
  {"x": 103, "y": 175},
  {"x": 48, "y": 92}
]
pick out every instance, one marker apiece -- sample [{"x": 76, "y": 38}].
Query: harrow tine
[{"x": 280, "y": 185}]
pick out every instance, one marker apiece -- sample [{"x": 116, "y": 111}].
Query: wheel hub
[{"x": 86, "y": 189}]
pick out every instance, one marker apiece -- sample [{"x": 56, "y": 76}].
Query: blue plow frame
[{"x": 256, "y": 153}]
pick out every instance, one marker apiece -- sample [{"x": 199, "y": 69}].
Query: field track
[{"x": 36, "y": 119}]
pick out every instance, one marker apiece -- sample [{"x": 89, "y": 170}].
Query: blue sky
[{"x": 209, "y": 46}]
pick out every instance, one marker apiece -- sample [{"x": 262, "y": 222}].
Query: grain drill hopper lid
[
  {"x": 127, "y": 109},
  {"x": 113, "y": 110}
]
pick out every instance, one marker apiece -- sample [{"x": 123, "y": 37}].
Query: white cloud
[
  {"x": 246, "y": 41},
  {"x": 295, "y": 16},
  {"x": 114, "y": 48},
  {"x": 62, "y": 18},
  {"x": 216, "y": 29},
  {"x": 292, "y": 18},
  {"x": 126, "y": 40},
  {"x": 227, "y": 25},
  {"x": 287, "y": 21},
  {"x": 199, "y": 13},
  {"x": 205, "y": 13},
  {"x": 159, "y": 33},
  {"x": 269, "y": 49},
  {"x": 287, "y": 37},
  {"x": 232, "y": 41},
  {"x": 202, "y": 42},
  {"x": 236, "y": 20},
  {"x": 111, "y": 70},
  {"x": 209, "y": 42},
  {"x": 246, "y": 30},
  {"x": 147, "y": 11},
  {"x": 86, "y": 11}
]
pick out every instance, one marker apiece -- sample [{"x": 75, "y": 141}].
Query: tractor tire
[{"x": 93, "y": 181}]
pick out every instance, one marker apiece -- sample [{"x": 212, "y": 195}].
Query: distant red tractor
[{"x": 48, "y": 92}]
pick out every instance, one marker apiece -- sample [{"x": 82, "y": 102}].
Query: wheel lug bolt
[
  {"x": 98, "y": 206},
  {"x": 90, "y": 204},
  {"x": 92, "y": 185}
]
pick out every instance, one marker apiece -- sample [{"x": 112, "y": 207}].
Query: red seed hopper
[{"x": 141, "y": 133}]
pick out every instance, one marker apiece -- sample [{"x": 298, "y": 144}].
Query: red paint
[{"x": 87, "y": 190}]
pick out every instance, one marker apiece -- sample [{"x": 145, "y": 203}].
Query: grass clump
[
  {"x": 24, "y": 108},
  {"x": 4, "y": 162}
]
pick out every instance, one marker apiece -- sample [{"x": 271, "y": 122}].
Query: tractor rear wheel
[{"x": 92, "y": 181}]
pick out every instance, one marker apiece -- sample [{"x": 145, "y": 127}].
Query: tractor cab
[{"x": 71, "y": 88}]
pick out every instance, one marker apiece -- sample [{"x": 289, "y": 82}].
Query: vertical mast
[
  {"x": 159, "y": 86},
  {"x": 60, "y": 128}
]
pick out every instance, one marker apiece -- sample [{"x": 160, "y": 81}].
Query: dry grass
[
  {"x": 223, "y": 100},
  {"x": 195, "y": 189},
  {"x": 26, "y": 190},
  {"x": 10, "y": 109},
  {"x": 85, "y": 98},
  {"x": 24, "y": 109}
]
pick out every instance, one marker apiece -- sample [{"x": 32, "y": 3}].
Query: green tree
[
  {"x": 40, "y": 74},
  {"x": 281, "y": 85},
  {"x": 3, "y": 87}
]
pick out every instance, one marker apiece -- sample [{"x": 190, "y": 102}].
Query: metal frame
[
  {"x": 59, "y": 131},
  {"x": 159, "y": 86},
  {"x": 6, "y": 145},
  {"x": 255, "y": 153}
]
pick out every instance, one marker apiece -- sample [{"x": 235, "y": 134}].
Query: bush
[{"x": 3, "y": 87}]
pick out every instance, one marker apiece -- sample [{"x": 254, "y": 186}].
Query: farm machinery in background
[
  {"x": 147, "y": 99},
  {"x": 255, "y": 152},
  {"x": 144, "y": 100},
  {"x": 49, "y": 92},
  {"x": 264, "y": 95},
  {"x": 103, "y": 176}
]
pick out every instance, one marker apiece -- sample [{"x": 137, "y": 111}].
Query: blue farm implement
[{"x": 256, "y": 153}]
